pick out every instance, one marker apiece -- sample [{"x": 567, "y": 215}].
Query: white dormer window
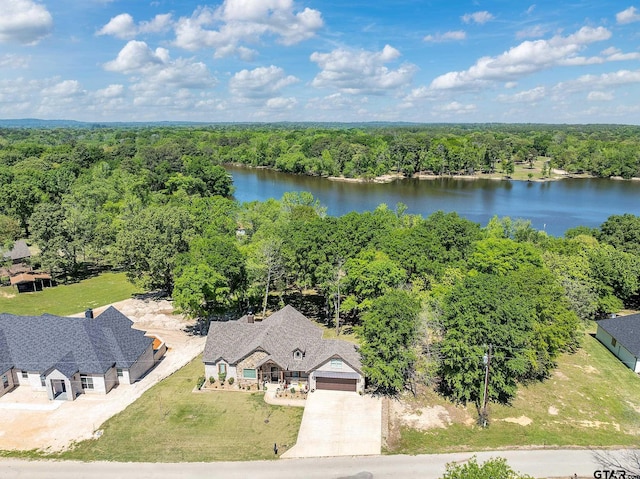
[
  {"x": 297, "y": 355},
  {"x": 336, "y": 363}
]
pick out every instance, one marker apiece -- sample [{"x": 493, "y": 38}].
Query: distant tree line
[{"x": 426, "y": 296}]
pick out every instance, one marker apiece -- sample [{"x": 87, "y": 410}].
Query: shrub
[
  {"x": 212, "y": 380},
  {"x": 230, "y": 381},
  {"x": 293, "y": 390},
  {"x": 201, "y": 381},
  {"x": 222, "y": 377}
]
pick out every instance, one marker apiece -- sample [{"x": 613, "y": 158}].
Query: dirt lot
[{"x": 31, "y": 421}]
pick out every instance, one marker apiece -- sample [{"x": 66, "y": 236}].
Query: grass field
[
  {"x": 591, "y": 400},
  {"x": 68, "y": 299},
  {"x": 170, "y": 423}
]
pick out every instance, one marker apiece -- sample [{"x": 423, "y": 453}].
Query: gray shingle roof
[
  {"x": 19, "y": 251},
  {"x": 91, "y": 346},
  {"x": 626, "y": 331},
  {"x": 5, "y": 360},
  {"x": 279, "y": 336}
]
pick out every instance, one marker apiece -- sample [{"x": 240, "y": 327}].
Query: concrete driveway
[{"x": 337, "y": 423}]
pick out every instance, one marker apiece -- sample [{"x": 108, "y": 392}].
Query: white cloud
[
  {"x": 237, "y": 22},
  {"x": 456, "y": 107},
  {"x": 528, "y": 96},
  {"x": 13, "y": 61},
  {"x": 524, "y": 59},
  {"x": 157, "y": 68},
  {"x": 531, "y": 9},
  {"x": 24, "y": 21},
  {"x": 600, "y": 96},
  {"x": 112, "y": 91},
  {"x": 535, "y": 31},
  {"x": 630, "y": 15},
  {"x": 361, "y": 71},
  {"x": 280, "y": 103},
  {"x": 333, "y": 102},
  {"x": 601, "y": 82},
  {"x": 613, "y": 54},
  {"x": 446, "y": 37},
  {"x": 65, "y": 88},
  {"x": 123, "y": 26},
  {"x": 477, "y": 17},
  {"x": 261, "y": 82}
]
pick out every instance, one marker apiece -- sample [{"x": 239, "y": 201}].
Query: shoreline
[{"x": 557, "y": 175}]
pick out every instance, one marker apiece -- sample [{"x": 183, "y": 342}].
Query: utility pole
[{"x": 486, "y": 359}]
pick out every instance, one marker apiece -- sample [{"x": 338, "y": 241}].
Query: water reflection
[{"x": 557, "y": 204}]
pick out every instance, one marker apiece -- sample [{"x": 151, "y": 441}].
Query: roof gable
[{"x": 625, "y": 330}]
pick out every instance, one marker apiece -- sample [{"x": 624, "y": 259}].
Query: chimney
[
  {"x": 250, "y": 317},
  {"x": 88, "y": 314}
]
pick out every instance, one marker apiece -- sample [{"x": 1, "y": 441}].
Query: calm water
[{"x": 553, "y": 206}]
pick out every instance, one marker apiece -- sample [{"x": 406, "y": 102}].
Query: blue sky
[{"x": 315, "y": 60}]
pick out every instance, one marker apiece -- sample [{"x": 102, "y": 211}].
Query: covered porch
[{"x": 272, "y": 373}]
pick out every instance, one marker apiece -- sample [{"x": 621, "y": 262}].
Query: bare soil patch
[
  {"x": 29, "y": 423},
  {"x": 522, "y": 420}
]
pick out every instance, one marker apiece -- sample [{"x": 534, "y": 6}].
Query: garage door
[{"x": 336, "y": 384}]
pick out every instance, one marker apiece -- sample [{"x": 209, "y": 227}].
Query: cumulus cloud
[
  {"x": 65, "y": 88},
  {"x": 11, "y": 60},
  {"x": 600, "y": 82},
  {"x": 24, "y": 21},
  {"x": 238, "y": 22},
  {"x": 446, "y": 37},
  {"x": 600, "y": 96},
  {"x": 123, "y": 26},
  {"x": 112, "y": 91},
  {"x": 477, "y": 17},
  {"x": 456, "y": 107},
  {"x": 157, "y": 67},
  {"x": 630, "y": 15},
  {"x": 361, "y": 71},
  {"x": 524, "y": 59},
  {"x": 527, "y": 96},
  {"x": 261, "y": 82},
  {"x": 281, "y": 103},
  {"x": 535, "y": 31},
  {"x": 613, "y": 54}
]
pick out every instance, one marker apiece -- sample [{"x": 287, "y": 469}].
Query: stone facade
[{"x": 249, "y": 362}]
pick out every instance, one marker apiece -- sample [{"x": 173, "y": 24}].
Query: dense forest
[{"x": 425, "y": 295}]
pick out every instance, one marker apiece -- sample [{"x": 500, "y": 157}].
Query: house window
[
  {"x": 295, "y": 374},
  {"x": 86, "y": 381},
  {"x": 25, "y": 375},
  {"x": 336, "y": 363},
  {"x": 613, "y": 342},
  {"x": 119, "y": 372},
  {"x": 297, "y": 354},
  {"x": 249, "y": 373},
  {"x": 222, "y": 368},
  {"x": 5, "y": 381},
  {"x": 43, "y": 381}
]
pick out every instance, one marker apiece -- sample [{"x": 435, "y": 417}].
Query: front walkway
[{"x": 338, "y": 423}]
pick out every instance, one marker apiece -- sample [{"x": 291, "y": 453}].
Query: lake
[{"x": 553, "y": 206}]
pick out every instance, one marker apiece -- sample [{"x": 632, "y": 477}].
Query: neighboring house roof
[
  {"x": 279, "y": 336},
  {"x": 28, "y": 278},
  {"x": 19, "y": 251},
  {"x": 88, "y": 345},
  {"x": 625, "y": 330}
]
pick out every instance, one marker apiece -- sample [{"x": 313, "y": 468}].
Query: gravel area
[{"x": 31, "y": 421}]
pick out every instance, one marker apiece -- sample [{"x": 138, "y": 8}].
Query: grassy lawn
[
  {"x": 172, "y": 423},
  {"x": 591, "y": 400},
  {"x": 68, "y": 299}
]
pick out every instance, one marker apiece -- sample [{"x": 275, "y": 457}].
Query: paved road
[
  {"x": 339, "y": 423},
  {"x": 539, "y": 464}
]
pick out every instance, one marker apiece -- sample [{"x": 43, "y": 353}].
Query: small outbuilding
[{"x": 621, "y": 336}]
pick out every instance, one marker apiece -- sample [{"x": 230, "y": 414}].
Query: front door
[{"x": 275, "y": 374}]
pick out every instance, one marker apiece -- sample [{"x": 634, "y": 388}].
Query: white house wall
[
  {"x": 618, "y": 350},
  {"x": 142, "y": 365},
  {"x": 211, "y": 369},
  {"x": 10, "y": 379}
]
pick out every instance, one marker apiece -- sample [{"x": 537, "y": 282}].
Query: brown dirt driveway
[{"x": 31, "y": 421}]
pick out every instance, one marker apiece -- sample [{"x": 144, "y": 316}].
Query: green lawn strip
[
  {"x": 68, "y": 299},
  {"x": 591, "y": 400},
  {"x": 172, "y": 423}
]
